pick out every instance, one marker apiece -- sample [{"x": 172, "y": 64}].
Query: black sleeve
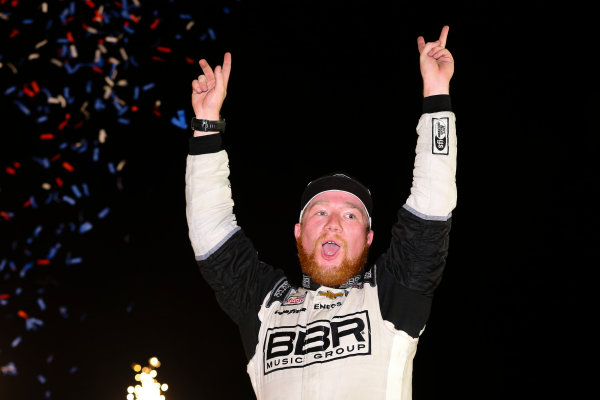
[
  {"x": 205, "y": 144},
  {"x": 410, "y": 271},
  {"x": 240, "y": 282}
]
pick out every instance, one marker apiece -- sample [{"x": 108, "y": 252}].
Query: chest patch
[{"x": 318, "y": 342}]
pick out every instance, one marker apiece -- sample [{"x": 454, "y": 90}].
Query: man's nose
[{"x": 333, "y": 224}]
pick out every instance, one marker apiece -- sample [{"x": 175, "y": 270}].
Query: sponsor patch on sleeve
[
  {"x": 440, "y": 135},
  {"x": 280, "y": 291}
]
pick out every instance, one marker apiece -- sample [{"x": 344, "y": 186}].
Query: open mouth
[{"x": 330, "y": 249}]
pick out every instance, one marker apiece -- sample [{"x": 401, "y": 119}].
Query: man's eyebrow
[{"x": 350, "y": 204}]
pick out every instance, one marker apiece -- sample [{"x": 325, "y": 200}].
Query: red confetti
[
  {"x": 35, "y": 86},
  {"x": 70, "y": 37},
  {"x": 43, "y": 261},
  {"x": 155, "y": 23},
  {"x": 5, "y": 215},
  {"x": 189, "y": 60},
  {"x": 59, "y": 181},
  {"x": 156, "y": 58},
  {"x": 4, "y": 296},
  {"x": 56, "y": 157},
  {"x": 47, "y": 136},
  {"x": 17, "y": 164},
  {"x": 134, "y": 18},
  {"x": 28, "y": 91},
  {"x": 11, "y": 170},
  {"x": 134, "y": 108},
  {"x": 68, "y": 166},
  {"x": 14, "y": 33},
  {"x": 22, "y": 314},
  {"x": 27, "y": 203},
  {"x": 90, "y": 3},
  {"x": 64, "y": 123},
  {"x": 163, "y": 49},
  {"x": 97, "y": 69}
]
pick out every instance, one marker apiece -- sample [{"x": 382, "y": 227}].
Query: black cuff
[
  {"x": 205, "y": 144},
  {"x": 437, "y": 103}
]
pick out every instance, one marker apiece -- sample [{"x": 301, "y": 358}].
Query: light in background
[{"x": 148, "y": 387}]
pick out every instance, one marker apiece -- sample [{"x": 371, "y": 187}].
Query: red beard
[{"x": 334, "y": 276}]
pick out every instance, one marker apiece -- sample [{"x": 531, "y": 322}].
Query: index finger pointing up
[
  {"x": 226, "y": 67},
  {"x": 444, "y": 35}
]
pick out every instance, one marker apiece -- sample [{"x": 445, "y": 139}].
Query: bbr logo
[{"x": 320, "y": 341}]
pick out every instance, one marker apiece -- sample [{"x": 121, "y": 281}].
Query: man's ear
[
  {"x": 370, "y": 237},
  {"x": 297, "y": 229}
]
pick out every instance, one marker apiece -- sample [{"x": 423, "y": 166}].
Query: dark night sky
[{"x": 321, "y": 86}]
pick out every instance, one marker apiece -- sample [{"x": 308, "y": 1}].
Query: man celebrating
[{"x": 351, "y": 330}]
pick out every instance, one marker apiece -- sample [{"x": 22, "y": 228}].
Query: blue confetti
[
  {"x": 15, "y": 342},
  {"x": 41, "y": 304},
  {"x": 86, "y": 226},
  {"x": 73, "y": 260},
  {"x": 22, "y": 107},
  {"x": 180, "y": 120},
  {"x": 69, "y": 200},
  {"x": 55, "y": 248},
  {"x": 76, "y": 191},
  {"x": 101, "y": 215},
  {"x": 32, "y": 324},
  {"x": 63, "y": 311},
  {"x": 26, "y": 268}
]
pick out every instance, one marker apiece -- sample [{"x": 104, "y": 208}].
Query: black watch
[{"x": 205, "y": 125}]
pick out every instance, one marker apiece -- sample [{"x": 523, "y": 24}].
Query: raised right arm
[{"x": 226, "y": 257}]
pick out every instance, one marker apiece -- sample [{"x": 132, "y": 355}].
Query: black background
[{"x": 321, "y": 86}]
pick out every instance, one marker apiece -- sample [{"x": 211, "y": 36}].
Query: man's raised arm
[
  {"x": 433, "y": 193},
  {"x": 209, "y": 205}
]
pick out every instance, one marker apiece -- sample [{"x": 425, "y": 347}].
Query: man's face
[{"x": 333, "y": 238}]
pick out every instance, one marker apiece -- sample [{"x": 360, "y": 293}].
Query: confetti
[{"x": 90, "y": 96}]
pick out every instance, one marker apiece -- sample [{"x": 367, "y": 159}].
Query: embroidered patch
[
  {"x": 330, "y": 294},
  {"x": 279, "y": 292},
  {"x": 440, "y": 135},
  {"x": 294, "y": 300}
]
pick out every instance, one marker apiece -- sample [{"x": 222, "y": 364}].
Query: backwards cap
[{"x": 336, "y": 182}]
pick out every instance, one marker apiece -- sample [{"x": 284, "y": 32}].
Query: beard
[{"x": 332, "y": 276}]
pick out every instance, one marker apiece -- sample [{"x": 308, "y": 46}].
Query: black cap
[{"x": 340, "y": 182}]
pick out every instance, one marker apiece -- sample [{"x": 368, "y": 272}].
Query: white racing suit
[{"x": 356, "y": 341}]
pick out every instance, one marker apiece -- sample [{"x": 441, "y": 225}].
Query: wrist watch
[{"x": 205, "y": 125}]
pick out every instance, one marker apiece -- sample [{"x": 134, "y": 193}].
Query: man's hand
[
  {"x": 437, "y": 64},
  {"x": 209, "y": 90}
]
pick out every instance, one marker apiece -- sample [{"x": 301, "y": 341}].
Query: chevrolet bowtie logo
[{"x": 330, "y": 294}]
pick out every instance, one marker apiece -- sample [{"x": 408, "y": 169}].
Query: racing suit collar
[{"x": 357, "y": 280}]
